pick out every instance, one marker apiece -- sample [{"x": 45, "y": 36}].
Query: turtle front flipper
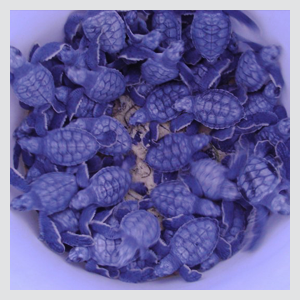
[
  {"x": 50, "y": 234},
  {"x": 106, "y": 230},
  {"x": 182, "y": 121},
  {"x": 72, "y": 25},
  {"x": 74, "y": 101},
  {"x": 223, "y": 249},
  {"x": 46, "y": 52},
  {"x": 242, "y": 18},
  {"x": 189, "y": 275},
  {"x": 76, "y": 240},
  {"x": 176, "y": 222},
  {"x": 86, "y": 217},
  {"x": 18, "y": 181},
  {"x": 92, "y": 266}
]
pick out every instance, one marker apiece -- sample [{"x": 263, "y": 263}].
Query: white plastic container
[{"x": 33, "y": 266}]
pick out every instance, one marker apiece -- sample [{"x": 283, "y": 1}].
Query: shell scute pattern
[
  {"x": 159, "y": 157},
  {"x": 249, "y": 73},
  {"x": 110, "y": 184},
  {"x": 105, "y": 251},
  {"x": 258, "y": 179},
  {"x": 54, "y": 190},
  {"x": 160, "y": 101},
  {"x": 195, "y": 241},
  {"x": 210, "y": 33},
  {"x": 218, "y": 109},
  {"x": 109, "y": 85},
  {"x": 36, "y": 87},
  {"x": 68, "y": 147},
  {"x": 111, "y": 27},
  {"x": 173, "y": 199}
]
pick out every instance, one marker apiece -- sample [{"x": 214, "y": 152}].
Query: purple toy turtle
[
  {"x": 192, "y": 244},
  {"x": 174, "y": 151}
]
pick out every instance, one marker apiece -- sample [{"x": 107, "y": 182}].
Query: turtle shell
[
  {"x": 105, "y": 251},
  {"x": 160, "y": 101},
  {"x": 249, "y": 73},
  {"x": 35, "y": 87},
  {"x": 217, "y": 109},
  {"x": 110, "y": 185},
  {"x": 258, "y": 103},
  {"x": 195, "y": 241},
  {"x": 142, "y": 226},
  {"x": 156, "y": 73},
  {"x": 173, "y": 199},
  {"x": 98, "y": 126},
  {"x": 169, "y": 26},
  {"x": 210, "y": 31},
  {"x": 111, "y": 27},
  {"x": 171, "y": 154},
  {"x": 69, "y": 146},
  {"x": 258, "y": 179},
  {"x": 109, "y": 84},
  {"x": 54, "y": 191}
]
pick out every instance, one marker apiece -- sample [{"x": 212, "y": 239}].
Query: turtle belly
[
  {"x": 210, "y": 33},
  {"x": 36, "y": 87}
]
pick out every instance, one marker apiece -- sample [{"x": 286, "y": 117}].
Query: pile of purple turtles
[{"x": 203, "y": 119}]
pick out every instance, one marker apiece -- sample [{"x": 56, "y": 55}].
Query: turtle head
[
  {"x": 31, "y": 144},
  {"x": 152, "y": 39},
  {"x": 184, "y": 104},
  {"x": 199, "y": 141},
  {"x": 281, "y": 204},
  {"x": 269, "y": 54},
  {"x": 139, "y": 117},
  {"x": 17, "y": 60},
  {"x": 67, "y": 55},
  {"x": 78, "y": 254},
  {"x": 284, "y": 127},
  {"x": 166, "y": 267},
  {"x": 174, "y": 52},
  {"x": 233, "y": 44},
  {"x": 22, "y": 203},
  {"x": 272, "y": 92}
]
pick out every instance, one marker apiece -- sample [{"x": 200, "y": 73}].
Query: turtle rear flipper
[
  {"x": 76, "y": 240},
  {"x": 49, "y": 233},
  {"x": 189, "y": 275},
  {"x": 72, "y": 25}
]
